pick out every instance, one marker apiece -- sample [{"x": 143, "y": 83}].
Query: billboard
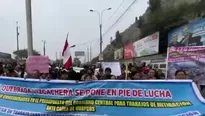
[
  {"x": 129, "y": 51},
  {"x": 192, "y": 34},
  {"x": 79, "y": 53},
  {"x": 147, "y": 46},
  {"x": 189, "y": 59},
  {"x": 118, "y": 54}
]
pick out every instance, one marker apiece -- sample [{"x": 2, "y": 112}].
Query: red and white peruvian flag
[{"x": 67, "y": 60}]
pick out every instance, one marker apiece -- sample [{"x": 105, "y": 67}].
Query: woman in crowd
[
  {"x": 152, "y": 74},
  {"x": 180, "y": 74},
  {"x": 136, "y": 76}
]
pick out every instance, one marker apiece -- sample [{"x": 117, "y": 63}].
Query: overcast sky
[{"x": 52, "y": 19}]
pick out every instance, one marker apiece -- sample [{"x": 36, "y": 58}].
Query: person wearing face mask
[{"x": 89, "y": 76}]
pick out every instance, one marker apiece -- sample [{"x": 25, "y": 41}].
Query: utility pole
[
  {"x": 100, "y": 15},
  {"x": 17, "y": 38},
  {"x": 44, "y": 47},
  {"x": 60, "y": 59},
  {"x": 90, "y": 53},
  {"x": 29, "y": 27},
  {"x": 101, "y": 41},
  {"x": 56, "y": 56}
]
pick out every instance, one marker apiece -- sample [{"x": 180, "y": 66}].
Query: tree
[
  {"x": 94, "y": 60},
  {"x": 23, "y": 54}
]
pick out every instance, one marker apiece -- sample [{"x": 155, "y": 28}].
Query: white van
[{"x": 161, "y": 65}]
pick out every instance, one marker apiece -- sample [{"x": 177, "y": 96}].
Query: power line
[
  {"x": 97, "y": 40},
  {"x": 111, "y": 17},
  {"x": 117, "y": 9},
  {"x": 118, "y": 20},
  {"x": 121, "y": 16}
]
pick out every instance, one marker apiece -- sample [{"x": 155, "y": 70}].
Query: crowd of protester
[{"x": 90, "y": 73}]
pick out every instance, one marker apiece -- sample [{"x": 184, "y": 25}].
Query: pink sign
[{"x": 39, "y": 63}]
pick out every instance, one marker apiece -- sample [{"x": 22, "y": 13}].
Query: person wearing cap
[{"x": 108, "y": 75}]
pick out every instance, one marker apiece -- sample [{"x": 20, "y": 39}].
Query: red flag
[{"x": 67, "y": 59}]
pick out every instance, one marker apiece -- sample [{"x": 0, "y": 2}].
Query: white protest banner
[{"x": 115, "y": 67}]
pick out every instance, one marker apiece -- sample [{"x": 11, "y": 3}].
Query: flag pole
[{"x": 67, "y": 36}]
